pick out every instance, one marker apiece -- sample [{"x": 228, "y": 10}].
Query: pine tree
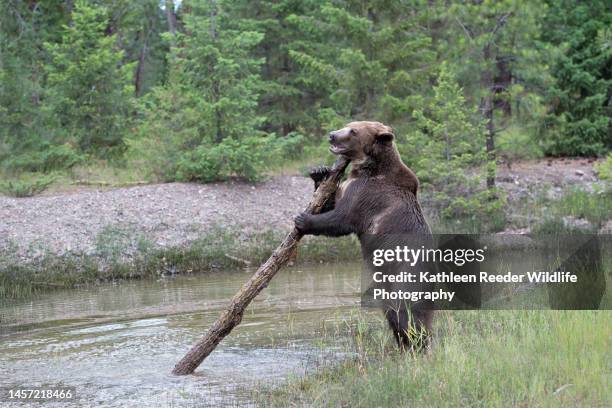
[
  {"x": 217, "y": 56},
  {"x": 27, "y": 141},
  {"x": 364, "y": 60},
  {"x": 284, "y": 100},
  {"x": 206, "y": 115},
  {"x": 494, "y": 45},
  {"x": 89, "y": 86},
  {"x": 447, "y": 143},
  {"x": 582, "y": 68}
]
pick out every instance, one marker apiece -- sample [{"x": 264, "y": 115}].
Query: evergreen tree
[
  {"x": 284, "y": 100},
  {"x": 27, "y": 142},
  {"x": 493, "y": 43},
  {"x": 89, "y": 87},
  {"x": 217, "y": 62},
  {"x": 206, "y": 115},
  {"x": 213, "y": 78},
  {"x": 138, "y": 26},
  {"x": 447, "y": 143},
  {"x": 582, "y": 68},
  {"x": 364, "y": 60}
]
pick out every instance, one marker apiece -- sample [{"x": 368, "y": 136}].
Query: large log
[{"x": 232, "y": 316}]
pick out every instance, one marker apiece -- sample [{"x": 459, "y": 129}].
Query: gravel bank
[
  {"x": 167, "y": 215},
  {"x": 175, "y": 214}
]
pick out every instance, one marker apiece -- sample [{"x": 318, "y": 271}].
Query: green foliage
[
  {"x": 516, "y": 143},
  {"x": 290, "y": 146},
  {"x": 26, "y": 185},
  {"x": 89, "y": 92},
  {"x": 362, "y": 61},
  {"x": 49, "y": 158},
  {"x": 230, "y": 158},
  {"x": 189, "y": 99},
  {"x": 445, "y": 150},
  {"x": 23, "y": 124},
  {"x": 580, "y": 118},
  {"x": 218, "y": 67},
  {"x": 168, "y": 127},
  {"x": 595, "y": 207},
  {"x": 203, "y": 125},
  {"x": 604, "y": 168}
]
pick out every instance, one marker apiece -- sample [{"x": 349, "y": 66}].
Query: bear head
[{"x": 359, "y": 140}]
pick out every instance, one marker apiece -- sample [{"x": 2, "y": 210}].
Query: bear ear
[{"x": 386, "y": 136}]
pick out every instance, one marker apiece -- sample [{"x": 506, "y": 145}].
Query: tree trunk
[
  {"x": 491, "y": 157},
  {"x": 232, "y": 316},
  {"x": 216, "y": 89},
  {"x": 488, "y": 107},
  {"x": 69, "y": 8},
  {"x": 138, "y": 78},
  {"x": 503, "y": 81},
  {"x": 171, "y": 17}
]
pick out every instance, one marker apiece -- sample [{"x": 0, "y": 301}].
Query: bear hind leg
[{"x": 411, "y": 329}]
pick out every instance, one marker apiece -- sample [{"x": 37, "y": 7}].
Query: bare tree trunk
[
  {"x": 171, "y": 17},
  {"x": 216, "y": 90},
  {"x": 232, "y": 316},
  {"x": 138, "y": 78},
  {"x": 502, "y": 82},
  {"x": 69, "y": 8},
  {"x": 488, "y": 107}
]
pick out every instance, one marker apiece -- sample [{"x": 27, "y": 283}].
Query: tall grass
[
  {"x": 479, "y": 359},
  {"x": 595, "y": 207}
]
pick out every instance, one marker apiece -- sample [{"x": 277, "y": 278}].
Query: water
[{"x": 118, "y": 343}]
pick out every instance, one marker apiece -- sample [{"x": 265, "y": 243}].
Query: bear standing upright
[{"x": 378, "y": 202}]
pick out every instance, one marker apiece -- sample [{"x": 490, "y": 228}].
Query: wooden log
[{"x": 232, "y": 316}]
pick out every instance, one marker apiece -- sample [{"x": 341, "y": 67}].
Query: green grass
[
  {"x": 98, "y": 173},
  {"x": 479, "y": 359},
  {"x": 595, "y": 207},
  {"x": 218, "y": 249},
  {"x": 495, "y": 221}
]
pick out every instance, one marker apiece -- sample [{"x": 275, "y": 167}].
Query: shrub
[
  {"x": 604, "y": 168},
  {"x": 290, "y": 146},
  {"x": 47, "y": 159},
  {"x": 515, "y": 143},
  {"x": 26, "y": 185},
  {"x": 243, "y": 159}
]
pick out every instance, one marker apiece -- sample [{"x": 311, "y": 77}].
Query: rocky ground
[
  {"x": 174, "y": 214},
  {"x": 555, "y": 175}
]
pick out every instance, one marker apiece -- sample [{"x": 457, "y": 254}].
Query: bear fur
[{"x": 377, "y": 202}]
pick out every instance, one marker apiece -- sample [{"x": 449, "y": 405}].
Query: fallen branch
[{"x": 232, "y": 316}]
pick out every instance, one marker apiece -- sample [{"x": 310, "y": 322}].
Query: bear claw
[
  {"x": 301, "y": 221},
  {"x": 319, "y": 173}
]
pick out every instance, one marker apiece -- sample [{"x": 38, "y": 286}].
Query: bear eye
[{"x": 353, "y": 133}]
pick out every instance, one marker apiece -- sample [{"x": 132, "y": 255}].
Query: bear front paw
[
  {"x": 301, "y": 222},
  {"x": 318, "y": 173}
]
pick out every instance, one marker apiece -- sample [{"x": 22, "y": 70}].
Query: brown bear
[{"x": 378, "y": 202}]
